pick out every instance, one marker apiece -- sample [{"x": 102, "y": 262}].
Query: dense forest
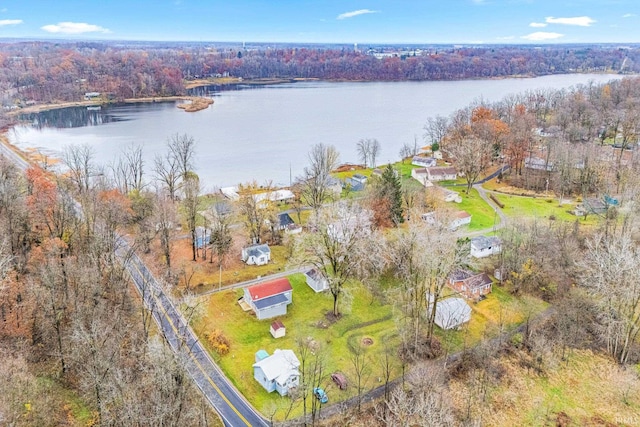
[{"x": 48, "y": 72}]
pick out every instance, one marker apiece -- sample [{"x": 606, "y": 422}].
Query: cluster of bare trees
[{"x": 67, "y": 304}]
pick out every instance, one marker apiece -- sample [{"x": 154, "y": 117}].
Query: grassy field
[
  {"x": 482, "y": 215},
  {"x": 306, "y": 320},
  {"x": 541, "y": 208},
  {"x": 588, "y": 389}
]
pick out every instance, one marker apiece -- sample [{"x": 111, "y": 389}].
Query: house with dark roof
[
  {"x": 469, "y": 284},
  {"x": 256, "y": 254},
  {"x": 484, "y": 246},
  {"x": 315, "y": 280},
  {"x": 269, "y": 299},
  {"x": 284, "y": 221},
  {"x": 356, "y": 183}
]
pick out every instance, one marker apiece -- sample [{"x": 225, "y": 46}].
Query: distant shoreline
[{"x": 202, "y": 103}]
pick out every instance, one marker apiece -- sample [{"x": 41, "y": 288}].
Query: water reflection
[{"x": 71, "y": 117}]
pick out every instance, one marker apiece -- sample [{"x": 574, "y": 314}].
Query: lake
[{"x": 264, "y": 133}]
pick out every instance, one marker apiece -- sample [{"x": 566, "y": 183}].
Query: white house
[
  {"x": 536, "y": 163},
  {"x": 420, "y": 175},
  {"x": 442, "y": 173},
  {"x": 316, "y": 281},
  {"x": 278, "y": 372},
  {"x": 425, "y": 162},
  {"x": 484, "y": 246},
  {"x": 451, "y": 312},
  {"x": 460, "y": 218},
  {"x": 256, "y": 254}
]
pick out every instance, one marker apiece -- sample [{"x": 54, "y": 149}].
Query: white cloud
[
  {"x": 506, "y": 38},
  {"x": 74, "y": 28},
  {"x": 580, "y": 21},
  {"x": 537, "y": 24},
  {"x": 355, "y": 13},
  {"x": 4, "y": 22},
  {"x": 540, "y": 36},
  {"x": 629, "y": 15}
]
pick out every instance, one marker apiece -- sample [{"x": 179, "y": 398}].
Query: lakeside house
[
  {"x": 278, "y": 372},
  {"x": 420, "y": 175},
  {"x": 425, "y": 162},
  {"x": 269, "y": 299},
  {"x": 442, "y": 173}
]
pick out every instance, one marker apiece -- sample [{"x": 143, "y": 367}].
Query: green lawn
[
  {"x": 541, "y": 208},
  {"x": 482, "y": 215},
  {"x": 499, "y": 312},
  {"x": 305, "y": 319}
]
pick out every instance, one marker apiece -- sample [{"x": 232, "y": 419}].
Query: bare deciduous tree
[
  {"x": 368, "y": 150},
  {"x": 336, "y": 247},
  {"x": 472, "y": 157},
  {"x": 317, "y": 176},
  {"x": 79, "y": 160},
  {"x": 610, "y": 271}
]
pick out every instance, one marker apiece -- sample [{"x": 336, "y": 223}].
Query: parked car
[{"x": 320, "y": 395}]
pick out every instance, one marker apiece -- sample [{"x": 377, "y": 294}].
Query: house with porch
[
  {"x": 269, "y": 299},
  {"x": 278, "y": 372}
]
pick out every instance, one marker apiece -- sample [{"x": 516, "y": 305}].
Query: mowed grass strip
[
  {"x": 541, "y": 208},
  {"x": 482, "y": 215},
  {"x": 306, "y": 319}
]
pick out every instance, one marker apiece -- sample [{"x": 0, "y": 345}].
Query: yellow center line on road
[{"x": 192, "y": 356}]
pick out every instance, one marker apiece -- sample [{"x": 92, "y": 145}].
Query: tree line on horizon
[{"x": 53, "y": 72}]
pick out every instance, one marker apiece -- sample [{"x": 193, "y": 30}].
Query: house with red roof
[{"x": 269, "y": 299}]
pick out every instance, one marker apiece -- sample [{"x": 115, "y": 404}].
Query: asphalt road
[{"x": 234, "y": 410}]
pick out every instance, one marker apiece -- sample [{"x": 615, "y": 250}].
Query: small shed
[
  {"x": 277, "y": 329},
  {"x": 316, "y": 281}
]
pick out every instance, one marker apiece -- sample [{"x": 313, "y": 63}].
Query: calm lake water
[{"x": 264, "y": 133}]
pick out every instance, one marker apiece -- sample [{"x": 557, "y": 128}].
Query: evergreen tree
[{"x": 390, "y": 189}]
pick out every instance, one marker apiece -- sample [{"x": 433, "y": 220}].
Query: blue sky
[{"x": 330, "y": 21}]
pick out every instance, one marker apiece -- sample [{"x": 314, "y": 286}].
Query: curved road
[
  {"x": 234, "y": 410},
  {"x": 227, "y": 401}
]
